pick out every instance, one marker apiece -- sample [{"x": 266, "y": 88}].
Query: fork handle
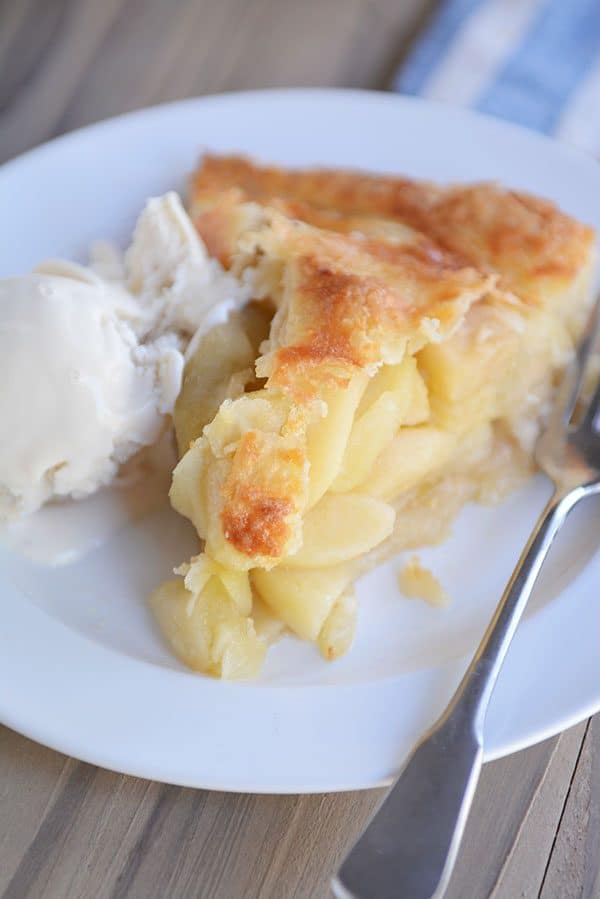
[{"x": 408, "y": 849}]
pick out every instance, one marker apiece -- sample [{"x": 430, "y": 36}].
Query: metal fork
[{"x": 409, "y": 848}]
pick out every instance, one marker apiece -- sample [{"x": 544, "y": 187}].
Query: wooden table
[{"x": 70, "y": 830}]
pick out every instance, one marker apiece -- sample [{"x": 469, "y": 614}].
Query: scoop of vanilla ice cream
[
  {"x": 168, "y": 267},
  {"x": 79, "y": 394},
  {"x": 91, "y": 357},
  {"x": 179, "y": 288}
]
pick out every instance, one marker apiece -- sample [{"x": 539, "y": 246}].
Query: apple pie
[{"x": 400, "y": 349}]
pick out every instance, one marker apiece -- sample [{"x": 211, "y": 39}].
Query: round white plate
[{"x": 82, "y": 668}]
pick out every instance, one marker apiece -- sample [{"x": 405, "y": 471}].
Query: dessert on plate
[
  {"x": 400, "y": 344},
  {"x": 346, "y": 360}
]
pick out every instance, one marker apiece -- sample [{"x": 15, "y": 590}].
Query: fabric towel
[{"x": 535, "y": 62}]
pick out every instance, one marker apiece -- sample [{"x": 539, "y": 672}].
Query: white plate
[{"x": 82, "y": 668}]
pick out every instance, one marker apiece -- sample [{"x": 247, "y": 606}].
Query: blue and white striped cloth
[{"x": 535, "y": 62}]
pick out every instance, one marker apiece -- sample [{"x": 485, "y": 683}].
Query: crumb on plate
[{"x": 418, "y": 582}]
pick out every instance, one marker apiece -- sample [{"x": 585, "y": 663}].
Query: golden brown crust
[
  {"x": 349, "y": 303},
  {"x": 330, "y": 338},
  {"x": 528, "y": 241},
  {"x": 347, "y": 192},
  {"x": 390, "y": 241},
  {"x": 257, "y": 508}
]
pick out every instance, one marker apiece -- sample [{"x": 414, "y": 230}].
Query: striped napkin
[{"x": 535, "y": 62}]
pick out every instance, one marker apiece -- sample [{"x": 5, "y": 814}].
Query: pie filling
[{"x": 402, "y": 347}]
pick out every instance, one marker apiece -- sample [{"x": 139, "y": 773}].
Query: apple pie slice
[{"x": 401, "y": 346}]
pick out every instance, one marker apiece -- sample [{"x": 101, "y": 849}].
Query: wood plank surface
[
  {"x": 70, "y": 830},
  {"x": 516, "y": 811},
  {"x": 573, "y": 869}
]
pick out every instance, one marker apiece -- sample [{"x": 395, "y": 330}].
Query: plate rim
[{"x": 236, "y": 96}]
